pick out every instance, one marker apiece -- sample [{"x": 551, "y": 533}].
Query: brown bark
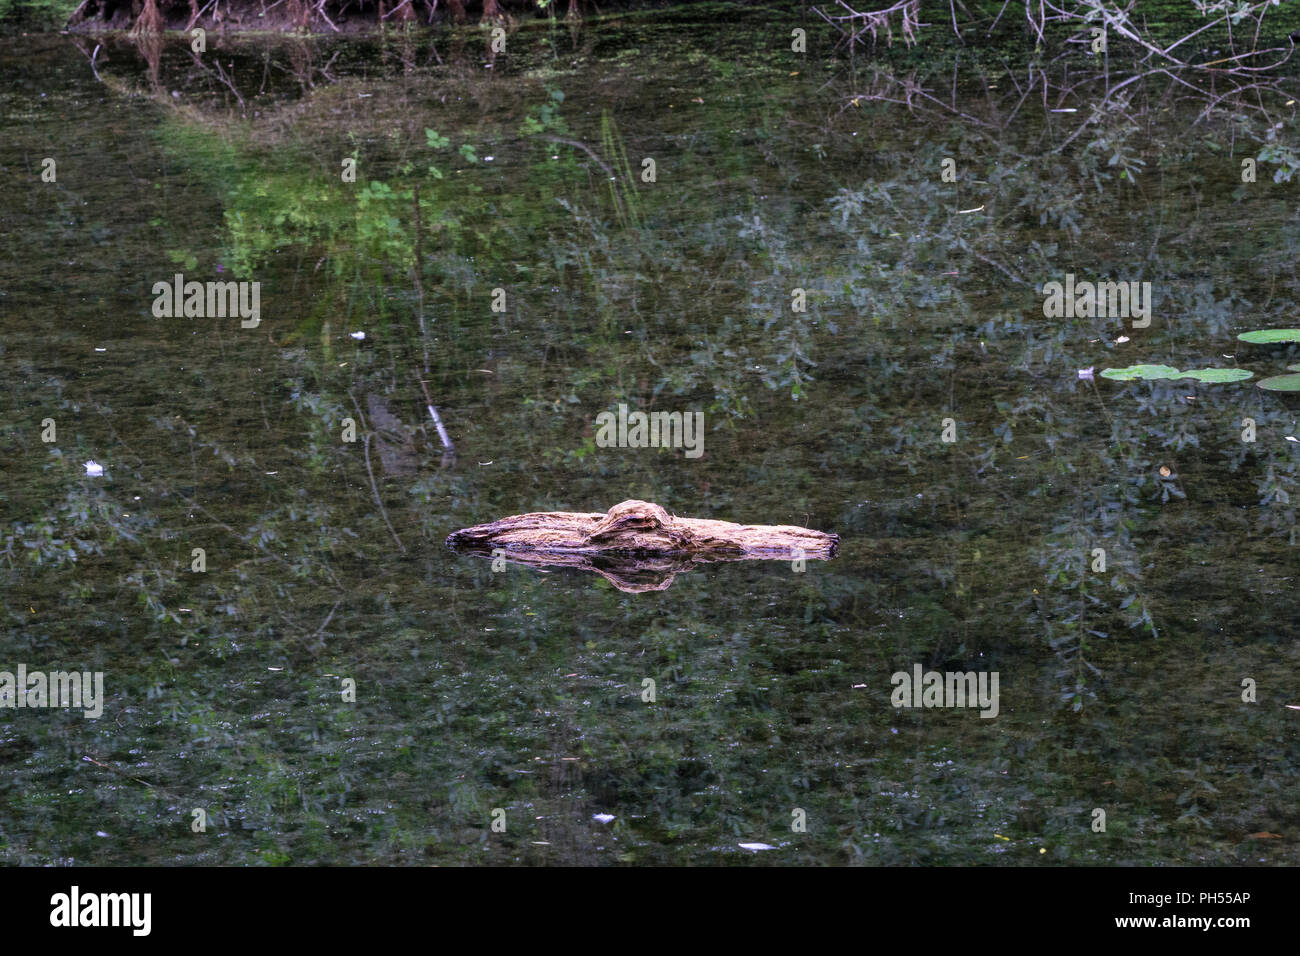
[
  {"x": 149, "y": 21},
  {"x": 640, "y": 527}
]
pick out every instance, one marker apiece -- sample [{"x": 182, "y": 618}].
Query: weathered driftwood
[{"x": 641, "y": 527}]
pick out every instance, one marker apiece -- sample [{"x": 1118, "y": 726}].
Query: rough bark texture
[{"x": 641, "y": 527}]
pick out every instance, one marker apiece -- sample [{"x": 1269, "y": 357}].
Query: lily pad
[
  {"x": 1147, "y": 372},
  {"x": 1270, "y": 336},
  {"x": 1156, "y": 372},
  {"x": 1213, "y": 375},
  {"x": 1282, "y": 383}
]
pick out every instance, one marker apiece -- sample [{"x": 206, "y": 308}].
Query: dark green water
[{"x": 517, "y": 695}]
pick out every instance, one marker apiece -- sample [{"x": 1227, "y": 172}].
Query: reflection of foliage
[
  {"x": 521, "y": 691},
  {"x": 1284, "y": 154},
  {"x": 1113, "y": 129}
]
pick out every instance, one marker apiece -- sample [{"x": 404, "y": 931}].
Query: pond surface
[{"x": 867, "y": 345}]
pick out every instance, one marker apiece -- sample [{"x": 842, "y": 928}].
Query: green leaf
[
  {"x": 1151, "y": 373},
  {"x": 467, "y": 151},
  {"x": 1282, "y": 383},
  {"x": 1270, "y": 336},
  {"x": 1147, "y": 372},
  {"x": 1213, "y": 375},
  {"x": 435, "y": 141}
]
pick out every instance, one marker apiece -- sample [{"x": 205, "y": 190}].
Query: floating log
[{"x": 642, "y": 527}]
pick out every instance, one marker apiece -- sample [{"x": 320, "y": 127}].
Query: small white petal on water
[
  {"x": 94, "y": 469},
  {"x": 756, "y": 846},
  {"x": 357, "y": 335},
  {"x": 602, "y": 817}
]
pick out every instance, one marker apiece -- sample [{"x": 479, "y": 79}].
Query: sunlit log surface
[{"x": 641, "y": 527}]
